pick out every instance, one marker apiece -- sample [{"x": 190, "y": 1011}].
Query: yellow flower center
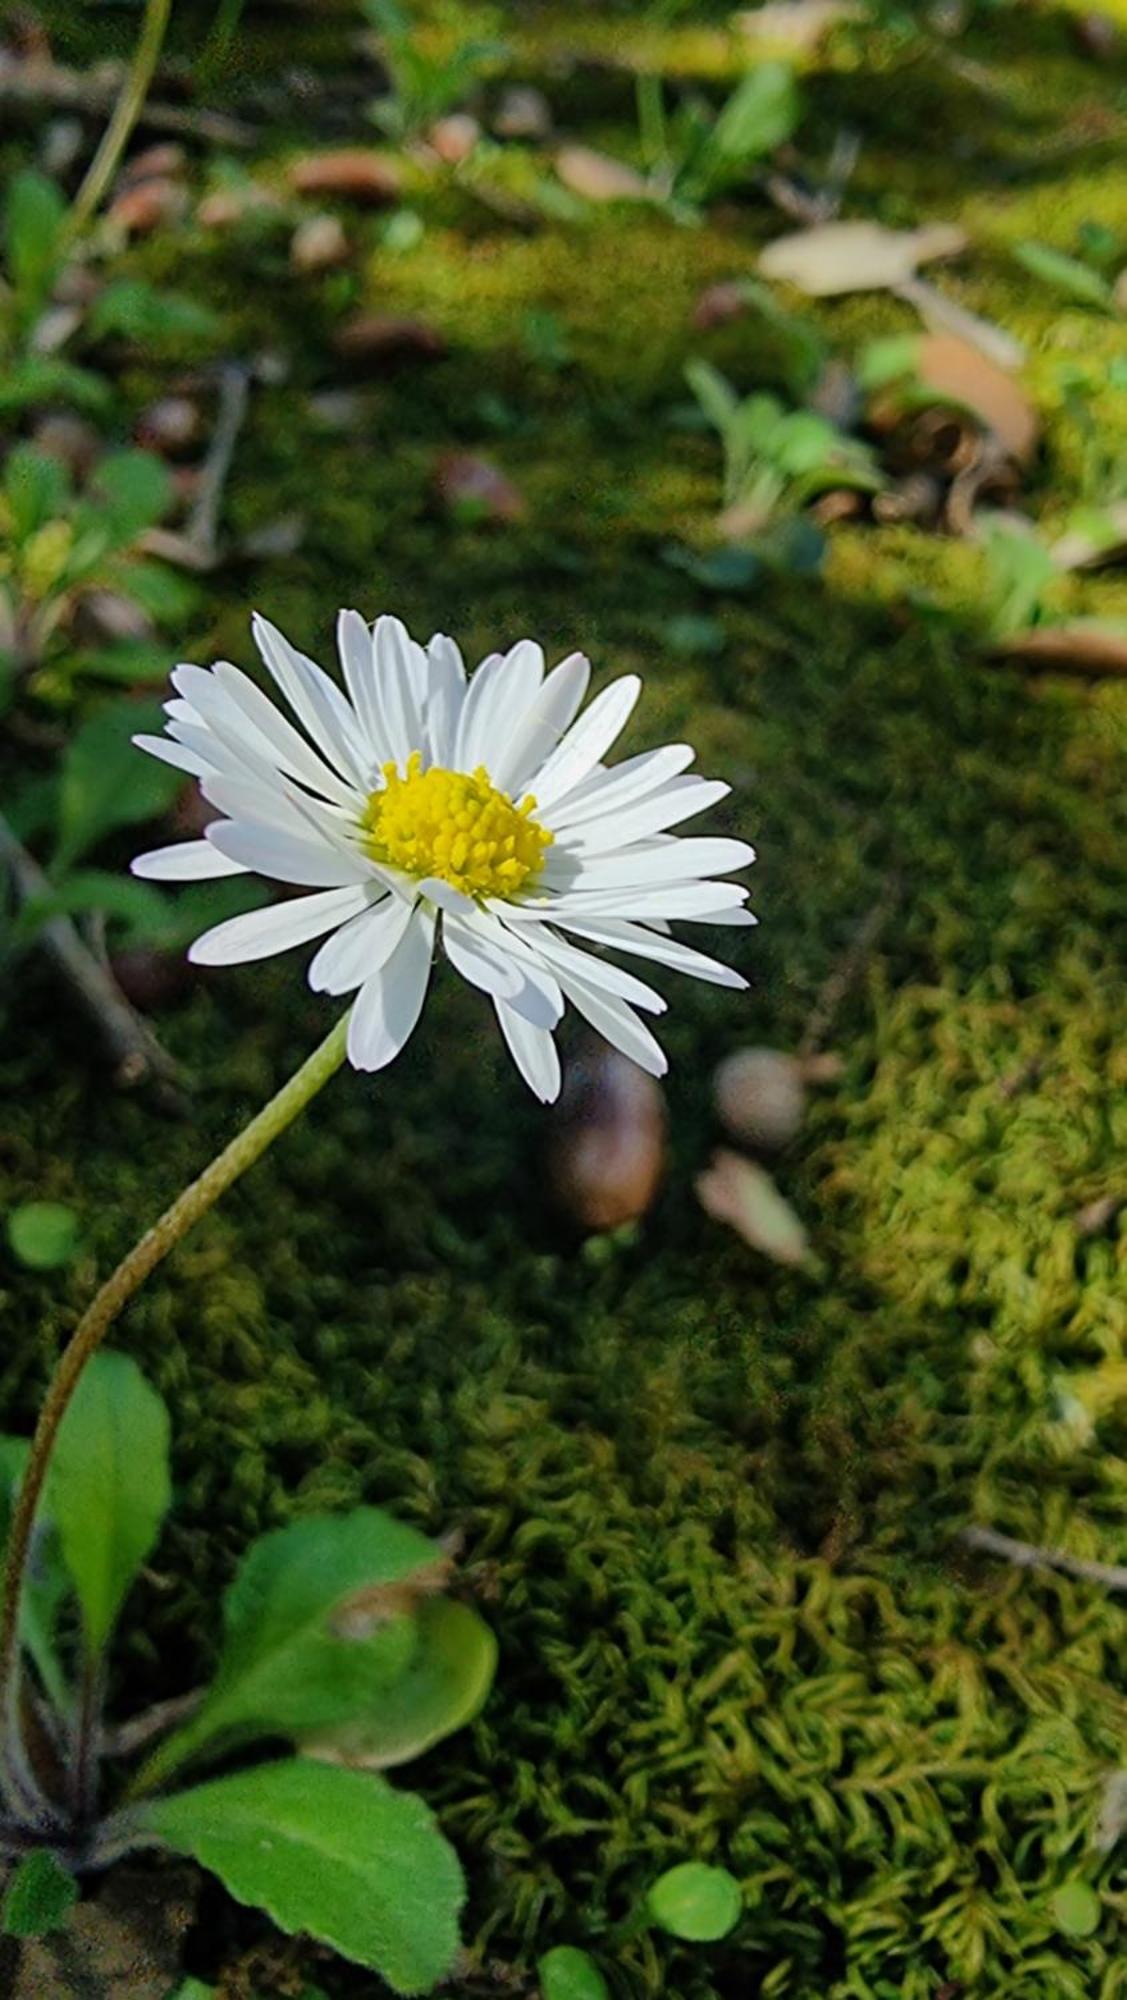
[{"x": 456, "y": 826}]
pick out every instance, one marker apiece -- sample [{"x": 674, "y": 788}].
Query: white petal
[
  {"x": 679, "y": 800},
  {"x": 586, "y": 741},
  {"x": 481, "y": 963},
  {"x": 622, "y": 785},
  {"x": 499, "y": 693},
  {"x": 245, "y": 723},
  {"x": 400, "y": 684},
  {"x": 286, "y": 858},
  {"x": 617, "y": 1023},
  {"x": 444, "y": 702},
  {"x": 358, "y": 662},
  {"x": 598, "y": 972},
  {"x": 316, "y": 701},
  {"x": 389, "y": 1004},
  {"x": 552, "y": 710},
  {"x": 263, "y": 933},
  {"x": 185, "y": 861},
  {"x": 644, "y": 867},
  {"x": 176, "y": 754},
  {"x": 533, "y": 1051},
  {"x": 361, "y": 948},
  {"x": 619, "y": 935},
  {"x": 539, "y": 999},
  {"x": 732, "y": 918},
  {"x": 445, "y": 896},
  {"x": 671, "y": 899}
]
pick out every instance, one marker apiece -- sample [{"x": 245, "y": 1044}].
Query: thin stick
[
  {"x": 52, "y": 85},
  {"x": 851, "y": 963},
  {"x": 1026, "y": 1555},
  {"x": 198, "y": 547},
  {"x": 242, "y": 1152},
  {"x": 126, "y": 111},
  {"x": 134, "y": 1049}
]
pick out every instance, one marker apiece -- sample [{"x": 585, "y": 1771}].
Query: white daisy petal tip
[{"x": 418, "y": 802}]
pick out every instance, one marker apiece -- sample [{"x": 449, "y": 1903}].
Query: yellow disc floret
[{"x": 454, "y": 825}]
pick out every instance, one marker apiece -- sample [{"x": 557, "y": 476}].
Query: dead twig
[
  {"x": 140, "y": 1730},
  {"x": 198, "y": 547},
  {"x": 129, "y": 1041},
  {"x": 848, "y": 968},
  {"x": 51, "y": 86},
  {"x": 1026, "y": 1555}
]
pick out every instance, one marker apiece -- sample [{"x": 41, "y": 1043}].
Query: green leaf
[
  {"x": 336, "y": 1854},
  {"x": 1076, "y": 1909},
  {"x": 299, "y": 1658},
  {"x": 1066, "y": 274},
  {"x": 696, "y": 1902},
  {"x": 43, "y": 378},
  {"x": 134, "y": 489},
  {"x": 43, "y": 1235},
  {"x": 566, "y": 1973},
  {"x": 160, "y": 590},
  {"x": 110, "y": 1486},
  {"x": 33, "y": 220},
  {"x": 36, "y": 488},
  {"x": 443, "y": 1688},
  {"x": 713, "y": 392},
  {"x": 191, "y": 1989},
  {"x": 47, "y": 1583},
  {"x": 761, "y": 113},
  {"x": 106, "y": 782},
  {"x": 142, "y": 312},
  {"x": 39, "y": 1897}
]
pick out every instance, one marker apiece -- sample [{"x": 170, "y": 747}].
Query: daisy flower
[{"x": 422, "y": 799}]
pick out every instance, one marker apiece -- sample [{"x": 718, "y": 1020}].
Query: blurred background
[{"x": 778, "y": 355}]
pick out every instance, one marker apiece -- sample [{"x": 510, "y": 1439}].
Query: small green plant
[
  {"x": 695, "y": 1901},
  {"x": 695, "y": 154},
  {"x": 339, "y": 1641},
  {"x": 429, "y": 70},
  {"x": 58, "y": 547},
  {"x": 775, "y": 460}
]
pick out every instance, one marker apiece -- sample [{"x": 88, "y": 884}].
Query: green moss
[{"x": 712, "y": 1509}]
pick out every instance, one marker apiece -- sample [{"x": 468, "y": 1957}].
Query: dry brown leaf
[
  {"x": 958, "y": 373},
  {"x": 606, "y": 1152},
  {"x": 597, "y": 177},
  {"x": 836, "y": 257},
  {"x": 356, "y": 173},
  {"x": 387, "y": 339},
  {"x": 798, "y": 26},
  {"x": 743, "y": 1195},
  {"x": 1082, "y": 647}
]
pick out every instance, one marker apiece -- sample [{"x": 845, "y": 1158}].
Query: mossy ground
[{"x": 712, "y": 1508}]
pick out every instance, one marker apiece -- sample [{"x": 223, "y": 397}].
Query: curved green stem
[
  {"x": 126, "y": 112},
  {"x": 185, "y": 1212}
]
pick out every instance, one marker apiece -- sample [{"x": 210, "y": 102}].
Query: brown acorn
[{"x": 606, "y": 1153}]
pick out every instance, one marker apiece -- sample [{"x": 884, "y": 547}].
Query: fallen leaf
[
  {"x": 454, "y": 138},
  {"x": 1084, "y": 646},
  {"x": 523, "y": 113},
  {"x": 165, "y": 161},
  {"x": 743, "y": 1195},
  {"x": 387, "y": 338},
  {"x": 796, "y": 25},
  {"x": 597, "y": 177},
  {"x": 476, "y": 489},
  {"x": 836, "y": 257},
  {"x": 318, "y": 244},
  {"x": 958, "y": 374},
  {"x": 229, "y": 206},
  {"x": 356, "y": 173},
  {"x": 137, "y": 211},
  {"x": 606, "y": 1148},
  {"x": 760, "y": 1096}
]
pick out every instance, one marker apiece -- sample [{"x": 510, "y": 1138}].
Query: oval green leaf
[
  {"x": 110, "y": 1486},
  {"x": 336, "y": 1854},
  {"x": 566, "y": 1973},
  {"x": 442, "y": 1688},
  {"x": 43, "y": 1235},
  {"x": 696, "y": 1902},
  {"x": 1076, "y": 1909},
  {"x": 39, "y": 1897}
]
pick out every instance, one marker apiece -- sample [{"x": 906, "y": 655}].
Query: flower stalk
[{"x": 195, "y": 1201}]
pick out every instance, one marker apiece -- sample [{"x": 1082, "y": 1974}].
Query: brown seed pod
[
  {"x": 760, "y": 1096},
  {"x": 606, "y": 1153}
]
